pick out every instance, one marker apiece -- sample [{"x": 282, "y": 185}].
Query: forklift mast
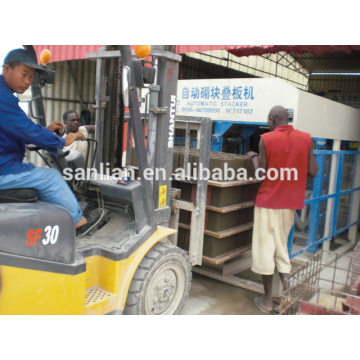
[{"x": 156, "y": 158}]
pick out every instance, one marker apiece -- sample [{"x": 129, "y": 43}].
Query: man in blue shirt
[{"x": 17, "y": 130}]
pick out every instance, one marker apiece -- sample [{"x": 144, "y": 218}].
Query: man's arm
[
  {"x": 258, "y": 160},
  {"x": 262, "y": 162},
  {"x": 71, "y": 137},
  {"x": 90, "y": 128},
  {"x": 313, "y": 166},
  {"x": 22, "y": 128}
]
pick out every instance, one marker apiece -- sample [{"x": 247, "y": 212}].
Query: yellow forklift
[{"x": 126, "y": 265}]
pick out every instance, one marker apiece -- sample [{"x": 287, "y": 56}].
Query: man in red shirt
[{"x": 286, "y": 157}]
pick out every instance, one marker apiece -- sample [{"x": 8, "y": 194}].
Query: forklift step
[{"x": 96, "y": 295}]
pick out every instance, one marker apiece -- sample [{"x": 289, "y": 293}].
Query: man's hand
[
  {"x": 71, "y": 137},
  {"x": 250, "y": 154},
  {"x": 55, "y": 125}
]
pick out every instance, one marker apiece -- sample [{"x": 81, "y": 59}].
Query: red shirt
[{"x": 286, "y": 148}]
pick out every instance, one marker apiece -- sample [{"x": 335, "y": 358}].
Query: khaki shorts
[{"x": 269, "y": 243}]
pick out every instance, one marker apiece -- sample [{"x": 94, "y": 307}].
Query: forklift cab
[{"x": 124, "y": 266}]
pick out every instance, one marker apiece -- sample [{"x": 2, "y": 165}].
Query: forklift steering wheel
[{"x": 60, "y": 133}]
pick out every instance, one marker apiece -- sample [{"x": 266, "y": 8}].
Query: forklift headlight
[
  {"x": 142, "y": 51},
  {"x": 45, "y": 57}
]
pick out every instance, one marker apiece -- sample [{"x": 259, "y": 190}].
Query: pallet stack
[
  {"x": 216, "y": 164},
  {"x": 229, "y": 207}
]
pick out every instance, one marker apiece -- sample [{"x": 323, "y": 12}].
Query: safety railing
[{"x": 331, "y": 204}]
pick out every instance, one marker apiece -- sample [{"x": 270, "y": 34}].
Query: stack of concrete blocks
[{"x": 229, "y": 203}]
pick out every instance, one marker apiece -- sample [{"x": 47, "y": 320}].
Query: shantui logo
[{"x": 172, "y": 122}]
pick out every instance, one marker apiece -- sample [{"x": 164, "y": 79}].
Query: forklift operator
[{"x": 17, "y": 130}]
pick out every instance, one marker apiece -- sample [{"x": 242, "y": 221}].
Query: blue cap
[{"x": 25, "y": 57}]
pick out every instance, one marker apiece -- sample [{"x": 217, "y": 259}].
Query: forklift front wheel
[{"x": 161, "y": 283}]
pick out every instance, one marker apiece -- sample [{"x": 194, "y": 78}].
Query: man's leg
[
  {"x": 81, "y": 222},
  {"x": 58, "y": 192},
  {"x": 284, "y": 281},
  {"x": 285, "y": 284},
  {"x": 277, "y": 309},
  {"x": 263, "y": 248},
  {"x": 282, "y": 259},
  {"x": 50, "y": 187},
  {"x": 268, "y": 300},
  {"x": 285, "y": 221}
]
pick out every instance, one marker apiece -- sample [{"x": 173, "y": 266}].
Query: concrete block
[{"x": 214, "y": 247}]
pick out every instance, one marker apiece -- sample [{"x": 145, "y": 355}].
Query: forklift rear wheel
[{"x": 161, "y": 283}]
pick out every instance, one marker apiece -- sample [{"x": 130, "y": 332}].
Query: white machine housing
[{"x": 248, "y": 101}]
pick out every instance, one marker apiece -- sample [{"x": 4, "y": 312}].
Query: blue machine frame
[
  {"x": 220, "y": 128},
  {"x": 326, "y": 192}
]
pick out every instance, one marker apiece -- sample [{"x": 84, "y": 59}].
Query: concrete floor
[{"x": 212, "y": 297}]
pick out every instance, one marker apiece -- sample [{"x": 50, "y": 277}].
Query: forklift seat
[{"x": 27, "y": 195}]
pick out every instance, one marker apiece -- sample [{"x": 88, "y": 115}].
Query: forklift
[{"x": 127, "y": 264}]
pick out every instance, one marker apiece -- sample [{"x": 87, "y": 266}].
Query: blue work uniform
[{"x": 17, "y": 130}]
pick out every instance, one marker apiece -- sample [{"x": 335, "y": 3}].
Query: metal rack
[{"x": 328, "y": 284}]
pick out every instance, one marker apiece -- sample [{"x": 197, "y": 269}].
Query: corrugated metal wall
[
  {"x": 67, "y": 92},
  {"x": 345, "y": 89},
  {"x": 191, "y": 68},
  {"x": 281, "y": 65},
  {"x": 67, "y": 52},
  {"x": 338, "y": 83},
  {"x": 63, "y": 95}
]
